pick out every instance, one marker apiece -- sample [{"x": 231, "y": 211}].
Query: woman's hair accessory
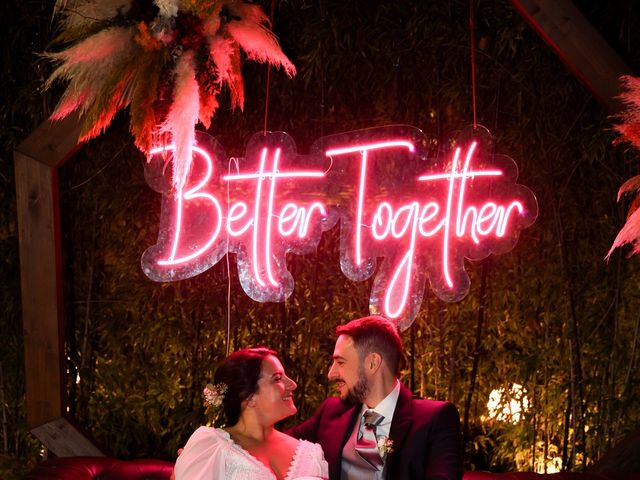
[{"x": 214, "y": 394}]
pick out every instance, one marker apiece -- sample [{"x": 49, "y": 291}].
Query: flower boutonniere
[{"x": 385, "y": 446}]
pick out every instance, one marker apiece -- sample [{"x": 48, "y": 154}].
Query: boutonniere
[{"x": 385, "y": 446}]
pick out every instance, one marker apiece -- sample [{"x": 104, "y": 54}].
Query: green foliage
[
  {"x": 22, "y": 108},
  {"x": 558, "y": 320}
]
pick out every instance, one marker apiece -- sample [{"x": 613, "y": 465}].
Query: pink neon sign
[{"x": 424, "y": 216}]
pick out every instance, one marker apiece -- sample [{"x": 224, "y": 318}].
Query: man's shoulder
[
  {"x": 330, "y": 413},
  {"x": 423, "y": 403},
  {"x": 433, "y": 405},
  {"x": 428, "y": 403},
  {"x": 334, "y": 401},
  {"x": 434, "y": 411},
  {"x": 334, "y": 405}
]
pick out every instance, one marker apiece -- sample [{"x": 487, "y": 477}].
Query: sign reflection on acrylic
[{"x": 422, "y": 215}]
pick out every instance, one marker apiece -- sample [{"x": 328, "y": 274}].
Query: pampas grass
[
  {"x": 182, "y": 118},
  {"x": 227, "y": 59},
  {"x": 115, "y": 62},
  {"x": 259, "y": 43},
  {"x": 88, "y": 66},
  {"x": 629, "y": 233},
  {"x": 629, "y": 130},
  {"x": 81, "y": 17}
]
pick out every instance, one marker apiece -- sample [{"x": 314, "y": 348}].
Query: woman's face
[{"x": 274, "y": 397}]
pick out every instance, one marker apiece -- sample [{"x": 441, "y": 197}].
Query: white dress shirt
[{"x": 385, "y": 408}]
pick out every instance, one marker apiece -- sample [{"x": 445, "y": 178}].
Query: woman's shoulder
[
  {"x": 298, "y": 445},
  {"x": 209, "y": 435},
  {"x": 286, "y": 439},
  {"x": 204, "y": 456},
  {"x": 310, "y": 447},
  {"x": 308, "y": 462}
]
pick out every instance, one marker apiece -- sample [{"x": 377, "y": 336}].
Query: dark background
[{"x": 558, "y": 319}]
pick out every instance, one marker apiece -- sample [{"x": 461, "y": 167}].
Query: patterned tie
[{"x": 366, "y": 443}]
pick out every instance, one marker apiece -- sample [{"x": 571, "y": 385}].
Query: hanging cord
[
  {"x": 233, "y": 161},
  {"x": 266, "y": 97},
  {"x": 237, "y": 166},
  {"x": 473, "y": 63}
]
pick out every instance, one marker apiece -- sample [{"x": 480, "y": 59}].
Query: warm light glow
[
  {"x": 508, "y": 404},
  {"x": 187, "y": 196},
  {"x": 481, "y": 221},
  {"x": 363, "y": 150},
  {"x": 424, "y": 224},
  {"x": 499, "y": 215}
]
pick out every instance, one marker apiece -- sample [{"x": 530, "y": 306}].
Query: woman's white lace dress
[{"x": 210, "y": 454}]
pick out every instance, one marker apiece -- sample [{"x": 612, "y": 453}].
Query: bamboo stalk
[
  {"x": 626, "y": 388},
  {"x": 412, "y": 350},
  {"x": 478, "y": 346},
  {"x": 577, "y": 392},
  {"x": 535, "y": 423},
  {"x": 313, "y": 293},
  {"x": 565, "y": 441},
  {"x": 546, "y": 395},
  {"x": 441, "y": 350},
  {"x": 5, "y": 424}
]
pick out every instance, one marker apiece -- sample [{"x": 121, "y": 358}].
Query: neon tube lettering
[
  {"x": 189, "y": 195},
  {"x": 290, "y": 212},
  {"x": 412, "y": 226},
  {"x": 363, "y": 150}
]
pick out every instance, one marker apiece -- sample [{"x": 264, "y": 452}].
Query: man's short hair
[{"x": 375, "y": 334}]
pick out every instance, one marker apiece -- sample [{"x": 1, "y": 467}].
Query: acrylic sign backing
[{"x": 422, "y": 215}]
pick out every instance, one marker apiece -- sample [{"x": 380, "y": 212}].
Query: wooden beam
[
  {"x": 41, "y": 284},
  {"x": 36, "y": 162},
  {"x": 579, "y": 46},
  {"x": 52, "y": 143},
  {"x": 66, "y": 439}
]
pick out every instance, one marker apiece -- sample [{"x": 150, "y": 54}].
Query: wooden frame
[
  {"x": 37, "y": 160},
  {"x": 570, "y": 35}
]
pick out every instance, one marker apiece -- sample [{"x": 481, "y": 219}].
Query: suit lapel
[
  {"x": 341, "y": 429},
  {"x": 400, "y": 426}
]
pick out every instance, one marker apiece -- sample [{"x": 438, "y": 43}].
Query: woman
[{"x": 254, "y": 393}]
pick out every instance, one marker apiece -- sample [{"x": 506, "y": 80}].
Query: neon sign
[{"x": 423, "y": 215}]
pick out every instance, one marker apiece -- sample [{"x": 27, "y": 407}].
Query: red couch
[{"x": 103, "y": 468}]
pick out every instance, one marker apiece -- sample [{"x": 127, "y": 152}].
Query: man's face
[{"x": 347, "y": 371}]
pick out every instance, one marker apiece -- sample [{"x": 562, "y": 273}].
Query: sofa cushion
[
  {"x": 101, "y": 468},
  {"x": 550, "y": 476}
]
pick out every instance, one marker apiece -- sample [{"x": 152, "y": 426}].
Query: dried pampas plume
[
  {"x": 629, "y": 130},
  {"x": 114, "y": 60}
]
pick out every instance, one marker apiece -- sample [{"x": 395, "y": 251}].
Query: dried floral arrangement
[
  {"x": 629, "y": 130},
  {"x": 167, "y": 60}
]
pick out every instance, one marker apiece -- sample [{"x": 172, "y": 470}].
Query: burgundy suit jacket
[{"x": 426, "y": 437}]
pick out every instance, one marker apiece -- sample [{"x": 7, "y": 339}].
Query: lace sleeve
[
  {"x": 203, "y": 457},
  {"x": 323, "y": 466},
  {"x": 308, "y": 462}
]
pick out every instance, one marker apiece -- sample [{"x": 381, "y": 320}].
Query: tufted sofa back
[
  {"x": 550, "y": 476},
  {"x": 101, "y": 468}
]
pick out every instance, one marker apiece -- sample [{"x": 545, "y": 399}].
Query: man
[{"x": 375, "y": 430}]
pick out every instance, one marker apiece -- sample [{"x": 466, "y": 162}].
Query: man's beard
[{"x": 358, "y": 392}]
